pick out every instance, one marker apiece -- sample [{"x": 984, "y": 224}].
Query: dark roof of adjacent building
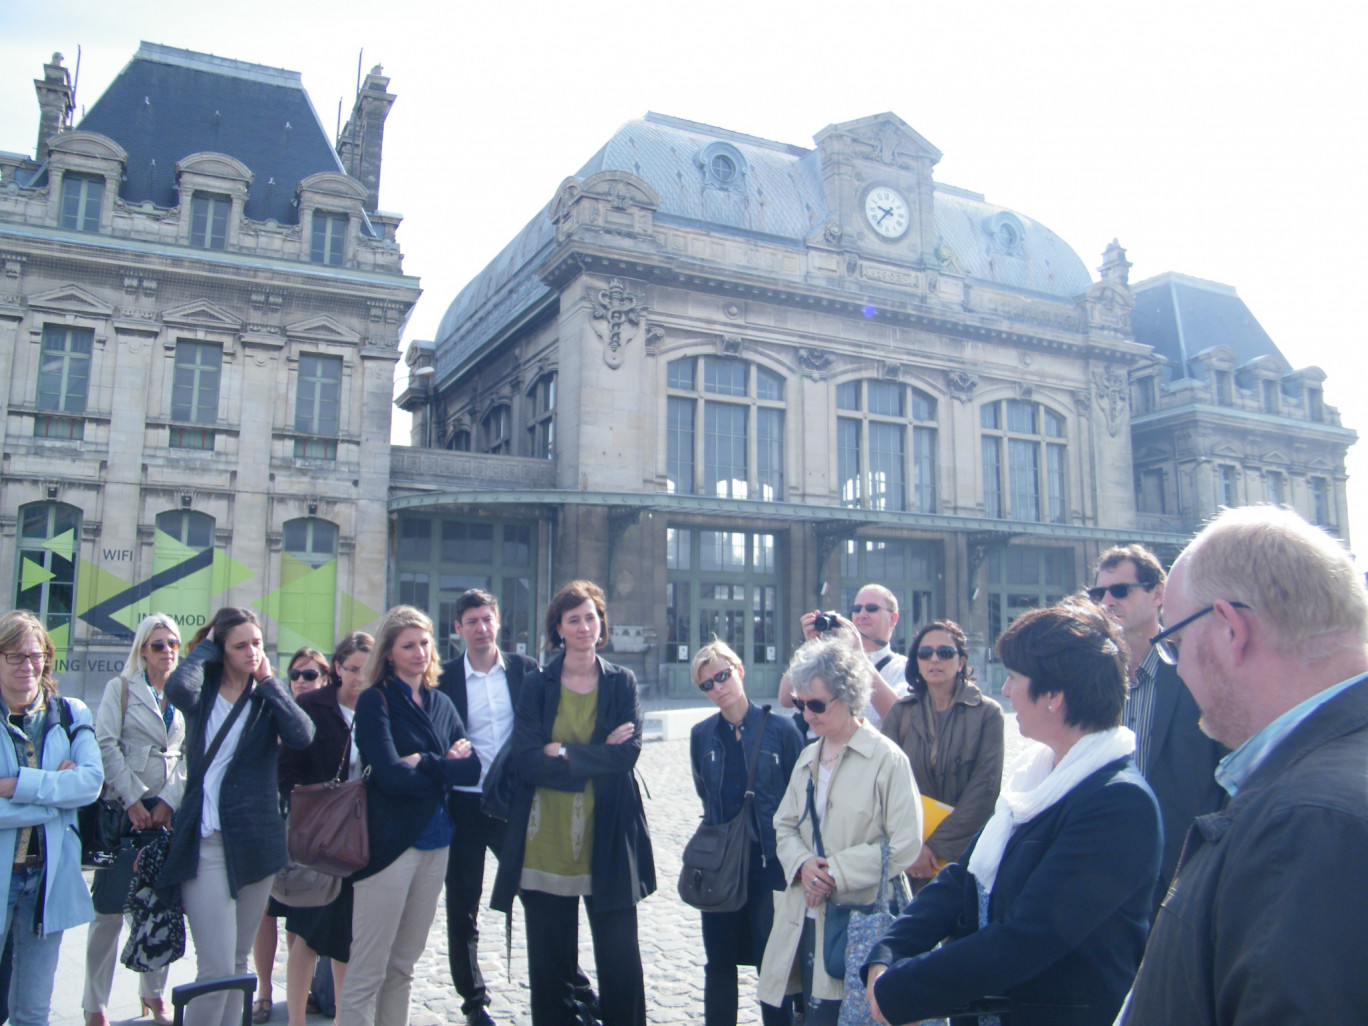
[
  {"x": 778, "y": 199},
  {"x": 1181, "y": 316},
  {"x": 168, "y": 103}
]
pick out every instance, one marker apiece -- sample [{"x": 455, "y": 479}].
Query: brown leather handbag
[{"x": 327, "y": 826}]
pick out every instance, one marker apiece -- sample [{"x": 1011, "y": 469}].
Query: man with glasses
[
  {"x": 1174, "y": 756},
  {"x": 1268, "y": 915}
]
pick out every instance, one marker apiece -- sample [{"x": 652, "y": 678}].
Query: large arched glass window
[
  {"x": 885, "y": 438},
  {"x": 1023, "y": 461},
  {"x": 739, "y": 453},
  {"x": 49, "y": 536}
]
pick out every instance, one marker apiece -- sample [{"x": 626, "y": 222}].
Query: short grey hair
[
  {"x": 843, "y": 669},
  {"x": 134, "y": 665}
]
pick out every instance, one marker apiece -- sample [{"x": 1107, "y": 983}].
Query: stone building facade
[
  {"x": 200, "y": 314},
  {"x": 734, "y": 379}
]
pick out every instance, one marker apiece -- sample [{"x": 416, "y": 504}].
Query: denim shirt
[{"x": 779, "y": 748}]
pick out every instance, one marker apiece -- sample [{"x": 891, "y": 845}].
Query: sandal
[{"x": 261, "y": 1009}]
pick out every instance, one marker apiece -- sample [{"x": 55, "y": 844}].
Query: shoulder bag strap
[
  {"x": 812, "y": 811},
  {"x": 883, "y": 662},
  {"x": 346, "y": 750},
  {"x": 217, "y": 743},
  {"x": 748, "y": 799}
]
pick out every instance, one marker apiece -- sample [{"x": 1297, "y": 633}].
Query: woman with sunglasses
[
  {"x": 1045, "y": 920},
  {"x": 951, "y": 733},
  {"x": 140, "y": 736},
  {"x": 720, "y": 752},
  {"x": 849, "y": 815},
  {"x": 308, "y": 672},
  {"x": 325, "y": 930}
]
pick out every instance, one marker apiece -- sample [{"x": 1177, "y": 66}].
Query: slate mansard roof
[
  {"x": 1181, "y": 316},
  {"x": 778, "y": 199},
  {"x": 168, "y": 103}
]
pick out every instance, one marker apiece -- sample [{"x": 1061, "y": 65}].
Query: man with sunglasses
[
  {"x": 1268, "y": 916},
  {"x": 875, "y": 614},
  {"x": 1173, "y": 755}
]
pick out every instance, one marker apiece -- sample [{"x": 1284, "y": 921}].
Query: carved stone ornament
[
  {"x": 814, "y": 359},
  {"x": 1113, "y": 395},
  {"x": 1082, "y": 400},
  {"x": 890, "y": 370},
  {"x": 616, "y": 317},
  {"x": 729, "y": 345},
  {"x": 655, "y": 335},
  {"x": 831, "y": 232},
  {"x": 961, "y": 385}
]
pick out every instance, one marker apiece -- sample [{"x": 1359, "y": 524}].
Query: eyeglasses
[
  {"x": 20, "y": 658},
  {"x": 815, "y": 705},
  {"x": 1166, "y": 647},
  {"x": 1116, "y": 591},
  {"x": 868, "y": 607},
  {"x": 162, "y": 646},
  {"x": 945, "y": 652},
  {"x": 720, "y": 677},
  {"x": 310, "y": 675}
]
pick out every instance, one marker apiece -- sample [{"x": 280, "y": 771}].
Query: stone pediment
[
  {"x": 1226, "y": 451},
  {"x": 202, "y": 314},
  {"x": 323, "y": 329},
  {"x": 87, "y": 144},
  {"x": 71, "y": 299},
  {"x": 214, "y": 165},
  {"x": 333, "y": 184},
  {"x": 610, "y": 201},
  {"x": 883, "y": 138}
]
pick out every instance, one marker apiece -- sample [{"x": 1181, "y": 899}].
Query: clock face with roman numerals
[{"x": 886, "y": 211}]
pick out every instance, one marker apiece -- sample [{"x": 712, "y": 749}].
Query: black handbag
[{"x": 716, "y": 860}]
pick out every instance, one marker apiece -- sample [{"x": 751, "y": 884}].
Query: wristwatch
[{"x": 561, "y": 753}]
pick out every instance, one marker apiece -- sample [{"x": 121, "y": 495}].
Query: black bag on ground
[{"x": 716, "y": 861}]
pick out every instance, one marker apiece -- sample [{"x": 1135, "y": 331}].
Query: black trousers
[
  {"x": 737, "y": 938},
  {"x": 553, "y": 961},
  {"x": 475, "y": 833}
]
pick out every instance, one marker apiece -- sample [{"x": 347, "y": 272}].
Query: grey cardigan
[{"x": 249, "y": 808}]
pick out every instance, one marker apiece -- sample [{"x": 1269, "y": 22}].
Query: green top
[{"x": 560, "y": 830}]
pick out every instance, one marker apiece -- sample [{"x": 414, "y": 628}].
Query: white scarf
[{"x": 1037, "y": 784}]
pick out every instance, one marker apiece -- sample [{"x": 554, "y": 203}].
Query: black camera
[{"x": 824, "y": 622}]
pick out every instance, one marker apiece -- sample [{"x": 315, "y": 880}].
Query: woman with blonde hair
[
  {"x": 141, "y": 735},
  {"x": 413, "y": 742}
]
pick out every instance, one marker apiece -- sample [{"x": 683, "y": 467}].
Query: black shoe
[{"x": 479, "y": 1017}]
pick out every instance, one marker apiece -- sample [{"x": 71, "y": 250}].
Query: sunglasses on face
[
  {"x": 310, "y": 675},
  {"x": 1116, "y": 591},
  {"x": 868, "y": 607},
  {"x": 814, "y": 705},
  {"x": 162, "y": 646},
  {"x": 946, "y": 652},
  {"x": 720, "y": 677}
]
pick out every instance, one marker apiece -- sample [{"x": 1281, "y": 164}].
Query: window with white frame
[
  {"x": 209, "y": 215},
  {"x": 886, "y": 438},
  {"x": 739, "y": 406},
  {"x": 495, "y": 432},
  {"x": 63, "y": 382},
  {"x": 82, "y": 198},
  {"x": 541, "y": 417},
  {"x": 329, "y": 238},
  {"x": 195, "y": 394},
  {"x": 1024, "y": 459},
  {"x": 318, "y": 406}
]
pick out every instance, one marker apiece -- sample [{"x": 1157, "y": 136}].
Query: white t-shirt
[
  {"x": 893, "y": 673},
  {"x": 213, "y": 776}
]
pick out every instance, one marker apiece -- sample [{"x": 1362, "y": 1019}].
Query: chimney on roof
[
  {"x": 55, "y": 103},
  {"x": 362, "y": 142}
]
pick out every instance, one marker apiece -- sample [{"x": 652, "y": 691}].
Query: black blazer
[
  {"x": 402, "y": 799},
  {"x": 622, "y": 870},
  {"x": 1067, "y": 917},
  {"x": 249, "y": 805},
  {"x": 452, "y": 682},
  {"x": 318, "y": 763},
  {"x": 1181, "y": 768}
]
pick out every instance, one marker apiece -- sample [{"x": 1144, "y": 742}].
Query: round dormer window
[{"x": 723, "y": 166}]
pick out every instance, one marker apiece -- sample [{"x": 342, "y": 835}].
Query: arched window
[
  {"x": 495, "y": 431},
  {"x": 182, "y": 551},
  {"x": 886, "y": 437},
  {"x": 310, "y": 540},
  {"x": 739, "y": 454},
  {"x": 1023, "y": 461},
  {"x": 541, "y": 417},
  {"x": 305, "y": 607},
  {"x": 49, "y": 537}
]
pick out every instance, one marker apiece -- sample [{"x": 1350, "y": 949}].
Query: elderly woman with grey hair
[
  {"x": 140, "y": 737},
  {"x": 853, "y": 789}
]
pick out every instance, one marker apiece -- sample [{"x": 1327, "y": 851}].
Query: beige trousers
[
  {"x": 391, "y": 915},
  {"x": 102, "y": 948}
]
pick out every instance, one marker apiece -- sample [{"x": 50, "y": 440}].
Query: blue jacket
[
  {"x": 1067, "y": 917},
  {"x": 47, "y": 799},
  {"x": 779, "y": 748},
  {"x": 402, "y": 799}
]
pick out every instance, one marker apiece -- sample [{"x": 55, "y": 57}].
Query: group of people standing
[{"x": 1032, "y": 896}]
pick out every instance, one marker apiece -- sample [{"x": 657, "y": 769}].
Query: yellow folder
[{"x": 933, "y": 812}]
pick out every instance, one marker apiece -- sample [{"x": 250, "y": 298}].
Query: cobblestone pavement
[{"x": 671, "y": 944}]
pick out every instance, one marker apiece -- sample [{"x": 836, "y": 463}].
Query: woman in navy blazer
[
  {"x": 414, "y": 745},
  {"x": 1045, "y": 919}
]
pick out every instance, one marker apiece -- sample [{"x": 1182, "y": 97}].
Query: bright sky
[{"x": 1225, "y": 140}]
